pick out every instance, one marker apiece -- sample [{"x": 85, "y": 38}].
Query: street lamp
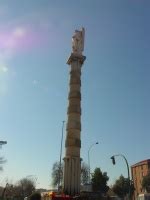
[
  {"x": 62, "y": 133},
  {"x": 89, "y": 160},
  {"x": 114, "y": 162}
]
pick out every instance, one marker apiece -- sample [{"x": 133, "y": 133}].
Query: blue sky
[{"x": 35, "y": 43}]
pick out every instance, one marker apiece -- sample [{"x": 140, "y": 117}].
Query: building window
[
  {"x": 135, "y": 172},
  {"x": 141, "y": 166}
]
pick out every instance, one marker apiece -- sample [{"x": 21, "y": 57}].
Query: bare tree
[
  {"x": 84, "y": 173},
  {"x": 25, "y": 187},
  {"x": 2, "y": 161},
  {"x": 57, "y": 173}
]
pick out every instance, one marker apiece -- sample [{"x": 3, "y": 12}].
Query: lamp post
[
  {"x": 89, "y": 159},
  {"x": 62, "y": 133},
  {"x": 114, "y": 162}
]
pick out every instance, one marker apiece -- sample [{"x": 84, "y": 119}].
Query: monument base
[{"x": 72, "y": 175}]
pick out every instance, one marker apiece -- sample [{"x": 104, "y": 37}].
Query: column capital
[{"x": 76, "y": 57}]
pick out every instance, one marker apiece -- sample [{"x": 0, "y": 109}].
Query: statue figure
[{"x": 78, "y": 41}]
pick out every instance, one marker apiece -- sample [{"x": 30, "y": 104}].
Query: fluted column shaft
[{"x": 72, "y": 161}]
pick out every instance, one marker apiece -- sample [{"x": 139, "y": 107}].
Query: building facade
[{"x": 138, "y": 171}]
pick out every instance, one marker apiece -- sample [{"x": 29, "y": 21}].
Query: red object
[{"x": 62, "y": 197}]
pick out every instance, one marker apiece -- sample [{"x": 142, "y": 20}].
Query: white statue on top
[{"x": 78, "y": 41}]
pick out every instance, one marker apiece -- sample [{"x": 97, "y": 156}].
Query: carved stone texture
[
  {"x": 74, "y": 101},
  {"x": 74, "y": 124},
  {"x": 73, "y": 151},
  {"x": 74, "y": 134},
  {"x": 74, "y": 109},
  {"x": 75, "y": 80},
  {"x": 75, "y": 58},
  {"x": 73, "y": 142},
  {"x": 75, "y": 94}
]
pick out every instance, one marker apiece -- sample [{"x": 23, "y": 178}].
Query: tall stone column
[{"x": 72, "y": 160}]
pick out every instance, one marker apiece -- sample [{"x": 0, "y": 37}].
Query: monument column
[{"x": 72, "y": 160}]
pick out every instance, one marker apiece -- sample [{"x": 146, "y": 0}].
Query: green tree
[
  {"x": 146, "y": 182},
  {"x": 110, "y": 192},
  {"x": 123, "y": 186},
  {"x": 99, "y": 181},
  {"x": 35, "y": 196}
]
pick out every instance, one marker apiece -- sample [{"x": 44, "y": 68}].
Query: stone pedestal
[{"x": 72, "y": 160}]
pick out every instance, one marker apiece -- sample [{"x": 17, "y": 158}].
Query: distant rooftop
[{"x": 141, "y": 163}]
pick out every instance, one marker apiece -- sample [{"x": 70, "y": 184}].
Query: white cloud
[
  {"x": 3, "y": 69},
  {"x": 8, "y": 46}
]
